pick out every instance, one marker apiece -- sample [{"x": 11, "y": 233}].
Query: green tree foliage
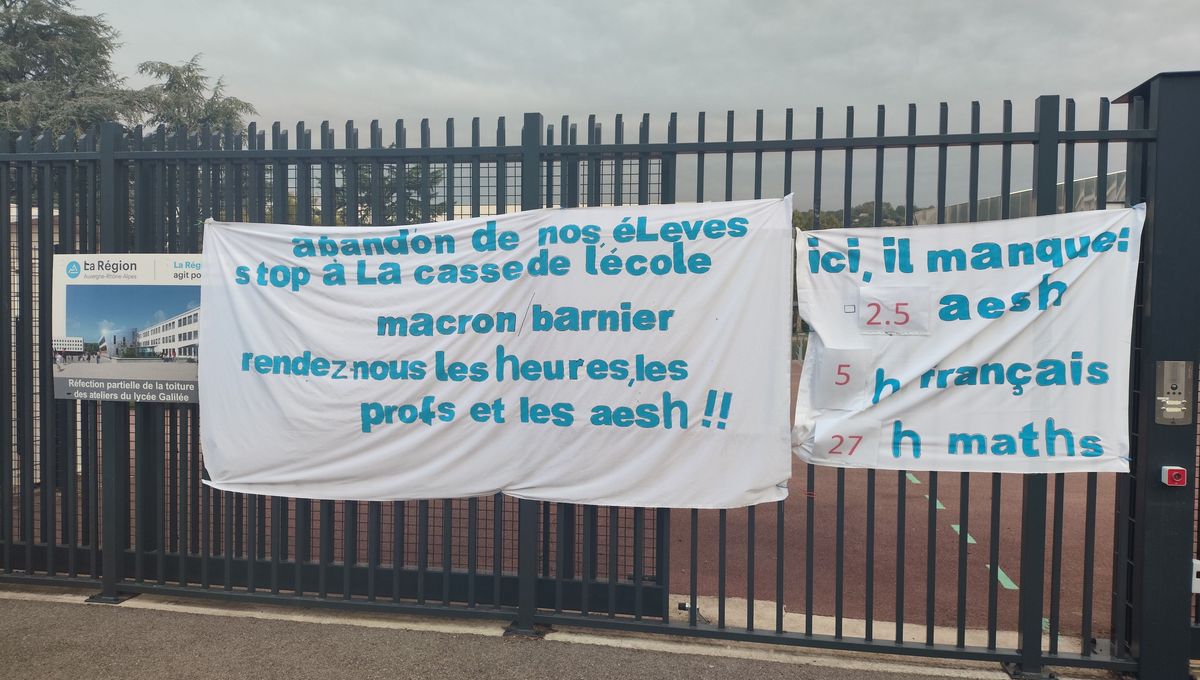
[
  {"x": 56, "y": 75},
  {"x": 408, "y": 213},
  {"x": 55, "y": 70},
  {"x": 183, "y": 97},
  {"x": 803, "y": 220},
  {"x": 413, "y": 201},
  {"x": 861, "y": 215}
]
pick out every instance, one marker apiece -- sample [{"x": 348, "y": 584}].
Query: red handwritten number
[
  {"x": 857, "y": 439},
  {"x": 902, "y": 317},
  {"x": 843, "y": 376}
]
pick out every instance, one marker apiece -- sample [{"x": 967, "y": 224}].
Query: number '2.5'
[{"x": 899, "y": 316}]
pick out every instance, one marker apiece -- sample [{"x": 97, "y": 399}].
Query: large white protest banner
[
  {"x": 994, "y": 346},
  {"x": 615, "y": 356}
]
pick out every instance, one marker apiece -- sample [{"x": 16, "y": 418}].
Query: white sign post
[{"x": 124, "y": 327}]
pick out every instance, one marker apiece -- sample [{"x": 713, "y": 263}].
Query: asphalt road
[{"x": 44, "y": 640}]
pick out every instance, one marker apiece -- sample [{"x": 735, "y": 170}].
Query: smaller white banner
[{"x": 993, "y": 346}]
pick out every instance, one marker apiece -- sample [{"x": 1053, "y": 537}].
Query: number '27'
[{"x": 840, "y": 441}]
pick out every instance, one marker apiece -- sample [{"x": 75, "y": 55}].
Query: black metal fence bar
[
  {"x": 1160, "y": 589},
  {"x": 104, "y": 491}
]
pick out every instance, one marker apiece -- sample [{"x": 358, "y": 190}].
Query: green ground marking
[
  {"x": 970, "y": 538},
  {"x": 1003, "y": 578},
  {"x": 912, "y": 478},
  {"x": 938, "y": 505}
]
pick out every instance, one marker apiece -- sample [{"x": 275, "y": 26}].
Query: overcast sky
[{"x": 314, "y": 61}]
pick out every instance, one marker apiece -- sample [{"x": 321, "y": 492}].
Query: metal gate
[{"x": 1034, "y": 571}]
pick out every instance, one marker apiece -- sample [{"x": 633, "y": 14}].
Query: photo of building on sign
[{"x": 130, "y": 332}]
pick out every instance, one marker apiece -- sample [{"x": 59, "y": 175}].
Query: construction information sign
[
  {"x": 993, "y": 346},
  {"x": 614, "y": 356},
  {"x": 126, "y": 327}
]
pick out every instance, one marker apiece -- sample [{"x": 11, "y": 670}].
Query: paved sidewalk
[{"x": 55, "y": 637}]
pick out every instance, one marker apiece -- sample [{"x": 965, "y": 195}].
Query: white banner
[
  {"x": 614, "y": 356},
  {"x": 994, "y": 346}
]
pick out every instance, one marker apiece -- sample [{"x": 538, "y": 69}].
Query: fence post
[
  {"x": 527, "y": 514},
  {"x": 1161, "y": 633},
  {"x": 148, "y": 434},
  {"x": 1033, "y": 502},
  {"x": 114, "y": 439}
]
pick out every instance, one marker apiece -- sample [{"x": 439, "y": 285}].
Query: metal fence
[{"x": 1031, "y": 571}]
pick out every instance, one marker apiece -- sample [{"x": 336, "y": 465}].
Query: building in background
[
  {"x": 115, "y": 344},
  {"x": 69, "y": 345},
  {"x": 176, "y": 337},
  {"x": 1021, "y": 204}
]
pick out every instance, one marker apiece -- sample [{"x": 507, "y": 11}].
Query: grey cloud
[{"x": 375, "y": 59}]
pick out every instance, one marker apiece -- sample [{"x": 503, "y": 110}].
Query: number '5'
[{"x": 843, "y": 376}]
